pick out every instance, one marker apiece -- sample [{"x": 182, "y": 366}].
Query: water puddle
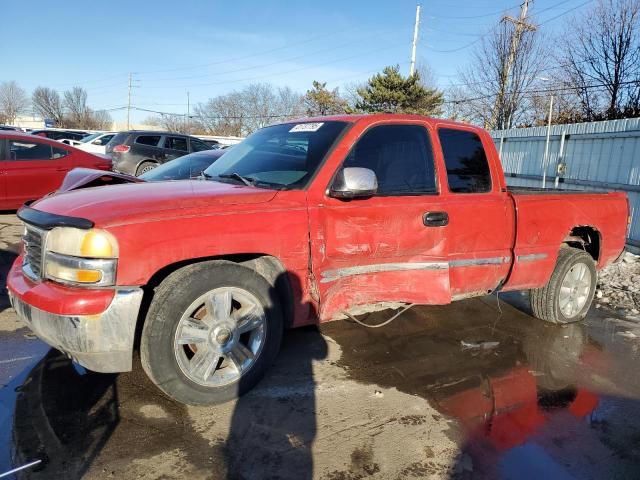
[{"x": 533, "y": 400}]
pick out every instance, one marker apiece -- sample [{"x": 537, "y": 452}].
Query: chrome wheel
[
  {"x": 575, "y": 290},
  {"x": 147, "y": 168},
  {"x": 220, "y": 336}
]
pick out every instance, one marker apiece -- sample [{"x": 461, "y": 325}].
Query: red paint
[
  {"x": 55, "y": 298},
  {"x": 159, "y": 224},
  {"x": 24, "y": 180}
]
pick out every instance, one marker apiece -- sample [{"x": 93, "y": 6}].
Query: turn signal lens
[{"x": 63, "y": 273}]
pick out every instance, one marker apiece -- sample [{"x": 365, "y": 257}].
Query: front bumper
[{"x": 101, "y": 342}]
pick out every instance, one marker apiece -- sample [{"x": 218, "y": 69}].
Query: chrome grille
[{"x": 32, "y": 241}]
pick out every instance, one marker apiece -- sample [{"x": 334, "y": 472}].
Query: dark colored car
[
  {"x": 136, "y": 152},
  {"x": 33, "y": 166},
  {"x": 183, "y": 168},
  {"x": 189, "y": 166},
  {"x": 60, "y": 134}
]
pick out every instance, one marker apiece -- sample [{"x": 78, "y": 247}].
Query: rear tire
[
  {"x": 211, "y": 332},
  {"x": 568, "y": 294},
  {"x": 145, "y": 167}
]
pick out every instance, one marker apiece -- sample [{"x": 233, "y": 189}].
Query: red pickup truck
[{"x": 303, "y": 222}]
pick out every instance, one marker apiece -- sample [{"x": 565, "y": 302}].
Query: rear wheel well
[
  {"x": 585, "y": 238},
  {"x": 266, "y": 266}
]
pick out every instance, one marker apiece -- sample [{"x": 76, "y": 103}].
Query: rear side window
[
  {"x": 198, "y": 145},
  {"x": 151, "y": 140},
  {"x": 26, "y": 150},
  {"x": 466, "y": 161},
  {"x": 176, "y": 143},
  {"x": 401, "y": 157}
]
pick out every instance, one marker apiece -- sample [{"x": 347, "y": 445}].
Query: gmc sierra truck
[{"x": 303, "y": 222}]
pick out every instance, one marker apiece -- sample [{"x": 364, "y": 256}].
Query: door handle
[{"x": 435, "y": 219}]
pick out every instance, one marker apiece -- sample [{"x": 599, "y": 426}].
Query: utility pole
[
  {"x": 188, "y": 117},
  {"x": 545, "y": 160},
  {"x": 521, "y": 25},
  {"x": 129, "y": 102},
  {"x": 416, "y": 27}
]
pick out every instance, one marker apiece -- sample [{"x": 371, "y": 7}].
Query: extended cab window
[
  {"x": 401, "y": 157},
  {"x": 151, "y": 140},
  {"x": 26, "y": 150},
  {"x": 466, "y": 162}
]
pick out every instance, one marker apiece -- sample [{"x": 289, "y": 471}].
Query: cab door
[
  {"x": 384, "y": 248},
  {"x": 481, "y": 214},
  {"x": 33, "y": 168}
]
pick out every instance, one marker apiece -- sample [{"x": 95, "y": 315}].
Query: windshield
[
  {"x": 188, "y": 166},
  {"x": 89, "y": 138},
  {"x": 281, "y": 156}
]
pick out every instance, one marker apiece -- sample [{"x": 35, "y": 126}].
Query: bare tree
[
  {"x": 242, "y": 112},
  {"x": 100, "y": 120},
  {"x": 222, "y": 115},
  {"x": 289, "y": 103},
  {"x": 604, "y": 49},
  {"x": 78, "y": 112},
  {"x": 13, "y": 101},
  {"x": 48, "y": 104},
  {"x": 495, "y": 99},
  {"x": 169, "y": 121}
]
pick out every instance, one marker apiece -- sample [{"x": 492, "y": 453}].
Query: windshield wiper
[{"x": 248, "y": 181}]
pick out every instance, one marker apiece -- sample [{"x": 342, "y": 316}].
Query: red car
[
  {"x": 299, "y": 223},
  {"x": 33, "y": 166}
]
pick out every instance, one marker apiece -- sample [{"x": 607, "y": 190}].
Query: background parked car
[
  {"x": 94, "y": 143},
  {"x": 136, "y": 152},
  {"x": 189, "y": 166},
  {"x": 34, "y": 166},
  {"x": 60, "y": 134}
]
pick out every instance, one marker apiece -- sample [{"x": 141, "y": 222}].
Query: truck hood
[{"x": 137, "y": 202}]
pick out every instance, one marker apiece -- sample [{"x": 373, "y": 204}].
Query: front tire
[
  {"x": 211, "y": 332},
  {"x": 568, "y": 294}
]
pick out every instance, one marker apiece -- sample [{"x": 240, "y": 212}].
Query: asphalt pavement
[{"x": 476, "y": 389}]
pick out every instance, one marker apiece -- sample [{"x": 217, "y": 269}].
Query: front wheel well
[
  {"x": 585, "y": 238},
  {"x": 267, "y": 266}
]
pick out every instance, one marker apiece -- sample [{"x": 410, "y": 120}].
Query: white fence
[{"x": 582, "y": 156}]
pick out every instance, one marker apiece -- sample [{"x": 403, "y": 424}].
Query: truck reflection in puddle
[{"x": 531, "y": 400}]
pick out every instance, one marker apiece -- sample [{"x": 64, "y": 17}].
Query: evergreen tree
[
  {"x": 321, "y": 101},
  {"x": 390, "y": 92}
]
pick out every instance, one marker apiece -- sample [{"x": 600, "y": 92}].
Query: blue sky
[{"x": 211, "y": 47}]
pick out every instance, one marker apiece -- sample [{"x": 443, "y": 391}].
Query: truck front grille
[{"x": 32, "y": 241}]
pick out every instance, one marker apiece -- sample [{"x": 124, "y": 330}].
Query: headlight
[{"x": 81, "y": 257}]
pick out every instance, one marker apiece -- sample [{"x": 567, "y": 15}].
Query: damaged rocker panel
[{"x": 331, "y": 275}]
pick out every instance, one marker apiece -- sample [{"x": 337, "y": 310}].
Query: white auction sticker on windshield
[{"x": 307, "y": 127}]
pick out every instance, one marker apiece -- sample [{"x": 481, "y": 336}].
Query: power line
[
  {"x": 546, "y": 91},
  {"x": 308, "y": 67},
  {"x": 484, "y": 15},
  {"x": 265, "y": 65}
]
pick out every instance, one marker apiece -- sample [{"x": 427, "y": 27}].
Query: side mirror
[{"x": 354, "y": 182}]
